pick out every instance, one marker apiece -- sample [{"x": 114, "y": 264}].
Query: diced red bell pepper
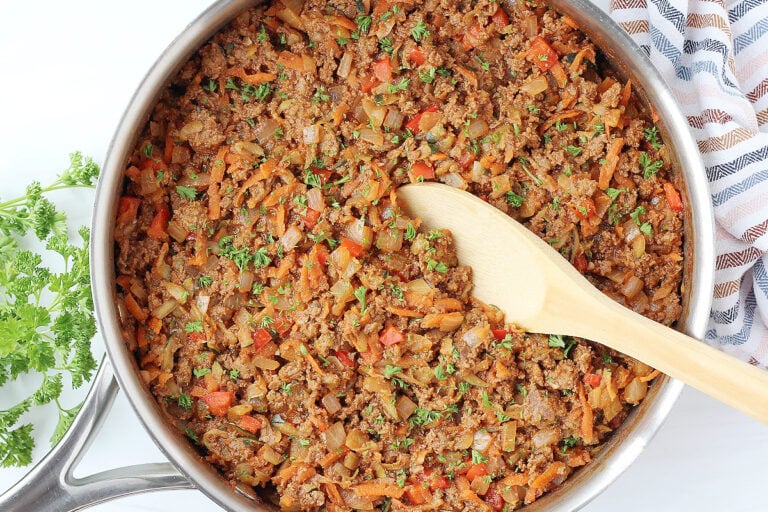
[
  {"x": 586, "y": 209},
  {"x": 158, "y": 228},
  {"x": 499, "y": 334},
  {"x": 219, "y": 402},
  {"x": 249, "y": 424},
  {"x": 594, "y": 380},
  {"x": 473, "y": 37},
  {"x": 325, "y": 175},
  {"x": 500, "y": 19},
  {"x": 355, "y": 249},
  {"x": 542, "y": 54},
  {"x": 260, "y": 338},
  {"x": 417, "y": 56},
  {"x": 422, "y": 170},
  {"x": 382, "y": 70},
  {"x": 494, "y": 499},
  {"x": 413, "y": 124},
  {"x": 310, "y": 218},
  {"x": 367, "y": 82},
  {"x": 441, "y": 482},
  {"x": 344, "y": 358},
  {"x": 580, "y": 262},
  {"x": 673, "y": 197},
  {"x": 480, "y": 469},
  {"x": 156, "y": 164},
  {"x": 466, "y": 160},
  {"x": 281, "y": 326},
  {"x": 416, "y": 494},
  {"x": 127, "y": 209},
  {"x": 391, "y": 336},
  {"x": 197, "y": 337}
]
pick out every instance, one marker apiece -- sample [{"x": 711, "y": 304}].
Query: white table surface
[{"x": 69, "y": 69}]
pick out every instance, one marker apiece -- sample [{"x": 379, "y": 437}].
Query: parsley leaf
[
  {"x": 46, "y": 318},
  {"x": 420, "y": 31}
]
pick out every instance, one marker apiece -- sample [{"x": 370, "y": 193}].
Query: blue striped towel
[{"x": 714, "y": 56}]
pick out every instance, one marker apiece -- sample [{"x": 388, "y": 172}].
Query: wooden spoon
[{"x": 541, "y": 292}]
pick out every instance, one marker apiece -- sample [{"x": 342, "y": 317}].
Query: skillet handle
[{"x": 51, "y": 486}]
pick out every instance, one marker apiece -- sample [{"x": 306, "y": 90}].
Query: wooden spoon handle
[{"x": 738, "y": 384}]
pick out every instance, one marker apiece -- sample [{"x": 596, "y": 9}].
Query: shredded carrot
[
  {"x": 332, "y": 457},
  {"x": 570, "y": 22},
  {"x": 333, "y": 493},
  {"x": 319, "y": 423},
  {"x": 579, "y": 58},
  {"x": 515, "y": 479},
  {"x": 124, "y": 282},
  {"x": 559, "y": 74},
  {"x": 611, "y": 161},
  {"x": 253, "y": 79},
  {"x": 650, "y": 376},
  {"x": 342, "y": 21},
  {"x": 164, "y": 377},
  {"x": 214, "y": 192},
  {"x": 376, "y": 489},
  {"x": 314, "y": 364},
  {"x": 554, "y": 470},
  {"x": 279, "y": 193},
  {"x": 134, "y": 309},
  {"x": 469, "y": 75},
  {"x": 587, "y": 418},
  {"x": 339, "y": 113},
  {"x": 562, "y": 116},
  {"x": 449, "y": 304},
  {"x": 626, "y": 93},
  {"x": 408, "y": 313},
  {"x": 201, "y": 251},
  {"x": 141, "y": 336},
  {"x": 287, "y": 473},
  {"x": 264, "y": 172},
  {"x": 168, "y": 149},
  {"x": 155, "y": 324}
]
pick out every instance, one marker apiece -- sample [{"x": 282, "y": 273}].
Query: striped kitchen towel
[{"x": 714, "y": 56}]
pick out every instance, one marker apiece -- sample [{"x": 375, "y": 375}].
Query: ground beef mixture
[{"x": 304, "y": 333}]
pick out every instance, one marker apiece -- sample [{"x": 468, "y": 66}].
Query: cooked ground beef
[{"x": 304, "y": 333}]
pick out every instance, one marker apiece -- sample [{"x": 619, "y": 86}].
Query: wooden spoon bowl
[{"x": 541, "y": 292}]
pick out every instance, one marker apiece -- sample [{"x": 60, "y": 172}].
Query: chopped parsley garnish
[
  {"x": 390, "y": 371},
  {"x": 478, "y": 457},
  {"x": 386, "y": 45},
  {"x": 184, "y": 401},
  {"x": 400, "y": 86},
  {"x": 204, "y": 281},
  {"x": 194, "y": 326},
  {"x": 437, "y": 266},
  {"x": 648, "y": 165},
  {"x": 420, "y": 31},
  {"x": 636, "y": 213},
  {"x": 652, "y": 137},
  {"x": 363, "y": 24},
  {"x": 410, "y": 232},
  {"x": 513, "y": 199},
  {"x": 574, "y": 150},
  {"x": 427, "y": 76},
  {"x": 320, "y": 96},
  {"x": 201, "y": 372},
  {"x": 564, "y": 342},
  {"x": 568, "y": 443},
  {"x": 360, "y": 296},
  {"x": 187, "y": 193}
]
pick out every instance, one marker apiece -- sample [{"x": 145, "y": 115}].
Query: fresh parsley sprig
[{"x": 46, "y": 317}]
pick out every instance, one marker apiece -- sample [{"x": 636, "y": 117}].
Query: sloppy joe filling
[{"x": 311, "y": 341}]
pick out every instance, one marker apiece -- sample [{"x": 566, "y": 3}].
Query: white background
[{"x": 69, "y": 69}]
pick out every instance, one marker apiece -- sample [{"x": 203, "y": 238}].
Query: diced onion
[
  {"x": 454, "y": 180},
  {"x": 165, "y": 309},
  {"x": 247, "y": 148},
  {"x": 356, "y": 502},
  {"x": 291, "y": 238},
  {"x": 375, "y": 113},
  {"x": 356, "y": 440},
  {"x": 405, "y": 407},
  {"x": 203, "y": 301},
  {"x": 389, "y": 240},
  {"x": 189, "y": 129},
  {"x": 394, "y": 119},
  {"x": 477, "y": 128},
  {"x": 481, "y": 440},
  {"x": 373, "y": 136},
  {"x": 508, "y": 436},
  {"x": 631, "y": 287},
  {"x": 429, "y": 120},
  {"x": 148, "y": 184},
  {"x": 635, "y": 391},
  {"x": 245, "y": 282},
  {"x": 315, "y": 199},
  {"x": 312, "y": 134},
  {"x": 345, "y": 65},
  {"x": 335, "y": 436},
  {"x": 331, "y": 403},
  {"x": 359, "y": 233},
  {"x": 535, "y": 86},
  {"x": 480, "y": 485},
  {"x": 464, "y": 441},
  {"x": 266, "y": 132},
  {"x": 169, "y": 350},
  {"x": 270, "y": 455},
  {"x": 545, "y": 437},
  {"x": 265, "y": 363},
  {"x": 475, "y": 336}
]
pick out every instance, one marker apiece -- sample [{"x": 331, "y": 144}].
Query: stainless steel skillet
[{"x": 51, "y": 485}]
